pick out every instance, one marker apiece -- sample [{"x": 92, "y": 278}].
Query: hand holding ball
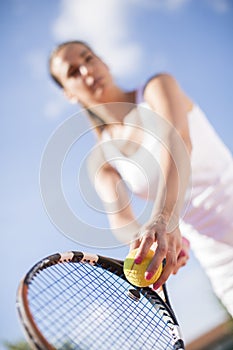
[{"x": 135, "y": 273}]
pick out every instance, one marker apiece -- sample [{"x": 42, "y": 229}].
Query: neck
[
  {"x": 115, "y": 107},
  {"x": 119, "y": 95}
]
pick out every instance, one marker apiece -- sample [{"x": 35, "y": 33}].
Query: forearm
[
  {"x": 113, "y": 193},
  {"x": 122, "y": 220},
  {"x": 175, "y": 169},
  {"x": 168, "y": 101}
]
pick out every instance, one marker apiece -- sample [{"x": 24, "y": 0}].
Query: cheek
[
  {"x": 77, "y": 87},
  {"x": 102, "y": 67},
  {"x": 74, "y": 84}
]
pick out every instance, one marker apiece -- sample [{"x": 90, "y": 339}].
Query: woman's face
[{"x": 84, "y": 76}]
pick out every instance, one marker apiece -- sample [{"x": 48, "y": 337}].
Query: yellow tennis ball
[{"x": 135, "y": 273}]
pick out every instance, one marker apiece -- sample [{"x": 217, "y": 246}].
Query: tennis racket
[{"x": 83, "y": 301}]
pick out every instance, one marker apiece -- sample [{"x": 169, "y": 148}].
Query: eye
[
  {"x": 88, "y": 58},
  {"x": 74, "y": 72}
]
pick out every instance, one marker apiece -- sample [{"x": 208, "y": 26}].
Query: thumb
[{"x": 134, "y": 244}]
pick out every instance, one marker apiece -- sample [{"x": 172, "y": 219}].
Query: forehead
[
  {"x": 72, "y": 51},
  {"x": 66, "y": 56}
]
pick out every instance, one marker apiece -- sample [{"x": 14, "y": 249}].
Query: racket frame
[{"x": 36, "y": 339}]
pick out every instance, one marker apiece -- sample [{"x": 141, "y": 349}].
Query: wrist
[{"x": 171, "y": 220}]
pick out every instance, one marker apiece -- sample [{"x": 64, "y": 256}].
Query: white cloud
[
  {"x": 104, "y": 25},
  {"x": 219, "y": 6},
  {"x": 166, "y": 5}
]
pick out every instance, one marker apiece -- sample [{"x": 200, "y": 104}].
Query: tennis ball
[{"x": 135, "y": 273}]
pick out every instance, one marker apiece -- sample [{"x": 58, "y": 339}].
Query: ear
[{"x": 72, "y": 98}]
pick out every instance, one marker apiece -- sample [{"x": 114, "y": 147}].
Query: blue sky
[{"x": 191, "y": 39}]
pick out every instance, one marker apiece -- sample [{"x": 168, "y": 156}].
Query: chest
[{"x": 127, "y": 137}]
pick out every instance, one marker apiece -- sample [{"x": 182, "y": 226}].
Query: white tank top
[{"x": 209, "y": 205}]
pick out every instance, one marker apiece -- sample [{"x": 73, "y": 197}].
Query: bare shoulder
[
  {"x": 164, "y": 76},
  {"x": 163, "y": 88},
  {"x": 161, "y": 81}
]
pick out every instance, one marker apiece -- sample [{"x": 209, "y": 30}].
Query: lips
[
  {"x": 95, "y": 85},
  {"x": 89, "y": 81}
]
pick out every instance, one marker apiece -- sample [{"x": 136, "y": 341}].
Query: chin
[{"x": 101, "y": 95}]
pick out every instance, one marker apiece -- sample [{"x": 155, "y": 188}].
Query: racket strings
[
  {"x": 120, "y": 307},
  {"x": 88, "y": 308},
  {"x": 46, "y": 305},
  {"x": 66, "y": 293},
  {"x": 44, "y": 293}
]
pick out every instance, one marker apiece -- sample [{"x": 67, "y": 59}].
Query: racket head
[{"x": 77, "y": 300}]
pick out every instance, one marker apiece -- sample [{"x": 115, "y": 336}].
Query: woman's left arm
[{"x": 169, "y": 102}]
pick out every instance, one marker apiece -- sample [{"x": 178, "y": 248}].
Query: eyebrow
[{"x": 83, "y": 53}]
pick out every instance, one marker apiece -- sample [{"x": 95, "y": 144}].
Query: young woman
[{"x": 159, "y": 128}]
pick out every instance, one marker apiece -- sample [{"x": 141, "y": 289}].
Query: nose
[{"x": 85, "y": 73}]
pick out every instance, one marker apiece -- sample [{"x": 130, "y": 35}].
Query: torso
[
  {"x": 131, "y": 136},
  {"x": 128, "y": 136},
  {"x": 211, "y": 192}
]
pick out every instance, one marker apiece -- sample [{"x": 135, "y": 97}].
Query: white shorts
[{"x": 216, "y": 259}]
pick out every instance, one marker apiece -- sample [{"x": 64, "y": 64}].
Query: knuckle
[
  {"x": 162, "y": 249},
  {"x": 172, "y": 260},
  {"x": 173, "y": 263},
  {"x": 148, "y": 238},
  {"x": 179, "y": 247}
]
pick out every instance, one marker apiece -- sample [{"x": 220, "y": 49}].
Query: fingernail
[
  {"x": 156, "y": 286},
  {"x": 148, "y": 275},
  {"x": 186, "y": 241},
  {"x": 138, "y": 260},
  {"x": 182, "y": 253}
]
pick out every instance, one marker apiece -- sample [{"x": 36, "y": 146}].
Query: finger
[
  {"x": 146, "y": 243},
  {"x": 158, "y": 258},
  {"x": 182, "y": 262},
  {"x": 135, "y": 244},
  {"x": 171, "y": 263},
  {"x": 182, "y": 259},
  {"x": 183, "y": 253},
  {"x": 185, "y": 242}
]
